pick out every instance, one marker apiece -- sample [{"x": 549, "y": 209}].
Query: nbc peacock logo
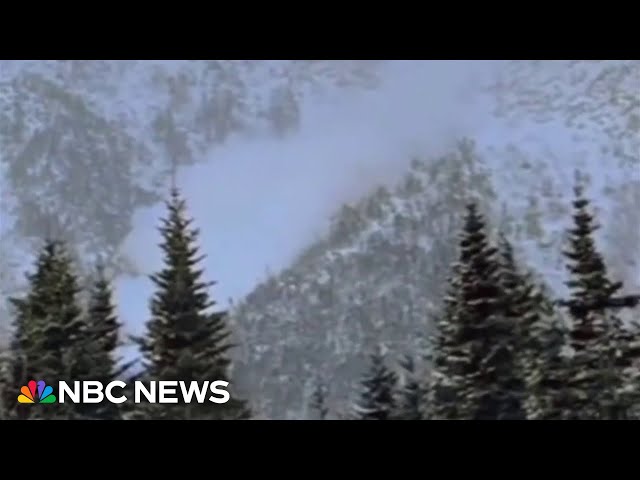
[{"x": 36, "y": 392}]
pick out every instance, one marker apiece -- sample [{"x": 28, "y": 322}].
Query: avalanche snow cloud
[{"x": 259, "y": 200}]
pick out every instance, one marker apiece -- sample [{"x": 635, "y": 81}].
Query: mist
[
  {"x": 259, "y": 200},
  {"x": 262, "y": 193}
]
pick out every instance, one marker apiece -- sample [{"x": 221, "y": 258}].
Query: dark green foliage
[
  {"x": 185, "y": 339},
  {"x": 589, "y": 280},
  {"x": 545, "y": 371},
  {"x": 475, "y": 367},
  {"x": 538, "y": 341},
  {"x": 447, "y": 382},
  {"x": 102, "y": 318},
  {"x": 100, "y": 346},
  {"x": 49, "y": 334},
  {"x": 377, "y": 391},
  {"x": 521, "y": 311},
  {"x": 595, "y": 381},
  {"x": 411, "y": 394}
]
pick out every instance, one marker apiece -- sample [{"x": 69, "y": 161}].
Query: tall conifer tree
[
  {"x": 536, "y": 385},
  {"x": 49, "y": 333},
  {"x": 101, "y": 343},
  {"x": 185, "y": 339},
  {"x": 596, "y": 380},
  {"x": 448, "y": 384},
  {"x": 411, "y": 394},
  {"x": 476, "y": 364},
  {"x": 378, "y": 387},
  {"x": 319, "y": 402}
]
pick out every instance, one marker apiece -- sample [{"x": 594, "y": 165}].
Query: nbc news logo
[
  {"x": 93, "y": 392},
  {"x": 36, "y": 392}
]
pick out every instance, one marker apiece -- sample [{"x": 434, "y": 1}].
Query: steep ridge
[
  {"x": 93, "y": 141},
  {"x": 84, "y": 144},
  {"x": 378, "y": 275}
]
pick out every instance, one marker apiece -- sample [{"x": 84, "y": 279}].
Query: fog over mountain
[
  {"x": 269, "y": 194},
  {"x": 264, "y": 199}
]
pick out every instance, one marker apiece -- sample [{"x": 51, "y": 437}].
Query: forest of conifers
[{"x": 504, "y": 346}]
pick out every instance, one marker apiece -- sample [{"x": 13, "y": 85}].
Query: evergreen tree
[
  {"x": 318, "y": 402},
  {"x": 628, "y": 361},
  {"x": 448, "y": 384},
  {"x": 538, "y": 388},
  {"x": 520, "y": 309},
  {"x": 628, "y": 366},
  {"x": 49, "y": 332},
  {"x": 546, "y": 371},
  {"x": 185, "y": 339},
  {"x": 377, "y": 396},
  {"x": 5, "y": 381},
  {"x": 101, "y": 343},
  {"x": 595, "y": 334},
  {"x": 479, "y": 373},
  {"x": 411, "y": 395},
  {"x": 103, "y": 321}
]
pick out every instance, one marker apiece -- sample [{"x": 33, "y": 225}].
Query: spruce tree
[
  {"x": 475, "y": 367},
  {"x": 537, "y": 385},
  {"x": 101, "y": 343},
  {"x": 377, "y": 391},
  {"x": 411, "y": 394},
  {"x": 448, "y": 356},
  {"x": 595, "y": 335},
  {"x": 318, "y": 402},
  {"x": 5, "y": 382},
  {"x": 185, "y": 339},
  {"x": 48, "y": 335},
  {"x": 519, "y": 311},
  {"x": 546, "y": 370},
  {"x": 628, "y": 361}
]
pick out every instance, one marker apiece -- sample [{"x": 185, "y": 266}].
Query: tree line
[
  {"x": 504, "y": 347},
  {"x": 58, "y": 336}
]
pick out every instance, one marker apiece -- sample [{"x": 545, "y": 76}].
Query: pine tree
[
  {"x": 185, "y": 339},
  {"x": 411, "y": 395},
  {"x": 103, "y": 321},
  {"x": 377, "y": 395},
  {"x": 5, "y": 382},
  {"x": 539, "y": 386},
  {"x": 595, "y": 335},
  {"x": 318, "y": 402},
  {"x": 475, "y": 368},
  {"x": 521, "y": 309},
  {"x": 48, "y": 333},
  {"x": 101, "y": 343},
  {"x": 448, "y": 383},
  {"x": 546, "y": 371},
  {"x": 628, "y": 368},
  {"x": 628, "y": 361}
]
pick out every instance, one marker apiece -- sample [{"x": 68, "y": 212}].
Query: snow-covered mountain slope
[
  {"x": 369, "y": 280},
  {"x": 84, "y": 144},
  {"x": 378, "y": 275}
]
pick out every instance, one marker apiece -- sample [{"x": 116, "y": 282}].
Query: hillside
[
  {"x": 378, "y": 275},
  {"x": 83, "y": 144},
  {"x": 86, "y": 145}
]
